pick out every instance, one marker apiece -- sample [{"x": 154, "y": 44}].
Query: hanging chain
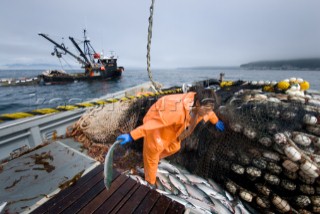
[{"x": 156, "y": 86}]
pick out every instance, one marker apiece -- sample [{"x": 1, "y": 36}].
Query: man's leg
[
  {"x": 150, "y": 159},
  {"x": 172, "y": 149}
]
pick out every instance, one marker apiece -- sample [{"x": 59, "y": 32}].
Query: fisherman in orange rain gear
[{"x": 169, "y": 121}]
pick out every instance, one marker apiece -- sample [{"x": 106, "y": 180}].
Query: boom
[
  {"x": 79, "y": 49},
  {"x": 64, "y": 49}
]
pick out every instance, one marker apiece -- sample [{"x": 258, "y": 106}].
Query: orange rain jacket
[{"x": 162, "y": 126}]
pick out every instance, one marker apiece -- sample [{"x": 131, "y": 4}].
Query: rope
[
  {"x": 19, "y": 115},
  {"x": 155, "y": 85}
]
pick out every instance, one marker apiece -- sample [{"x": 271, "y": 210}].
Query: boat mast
[
  {"x": 81, "y": 52},
  {"x": 63, "y": 48},
  {"x": 87, "y": 47}
]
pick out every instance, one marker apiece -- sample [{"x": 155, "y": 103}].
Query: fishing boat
[
  {"x": 44, "y": 169},
  {"x": 95, "y": 65},
  {"x": 26, "y": 180},
  {"x": 41, "y": 167}
]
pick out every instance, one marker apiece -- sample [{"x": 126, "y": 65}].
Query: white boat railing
[{"x": 20, "y": 135}]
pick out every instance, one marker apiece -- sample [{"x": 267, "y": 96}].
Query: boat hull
[{"x": 69, "y": 78}]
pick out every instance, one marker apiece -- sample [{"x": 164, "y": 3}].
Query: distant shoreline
[{"x": 298, "y": 64}]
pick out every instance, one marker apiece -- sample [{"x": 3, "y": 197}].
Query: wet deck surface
[
  {"x": 32, "y": 177},
  {"x": 125, "y": 195}
]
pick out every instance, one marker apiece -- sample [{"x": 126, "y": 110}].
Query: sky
[{"x": 186, "y": 33}]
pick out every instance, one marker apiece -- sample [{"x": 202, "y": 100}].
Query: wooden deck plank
[
  {"x": 125, "y": 199},
  {"x": 117, "y": 196},
  {"x": 135, "y": 200},
  {"x": 94, "y": 204},
  {"x": 64, "y": 193},
  {"x": 59, "y": 207},
  {"x": 148, "y": 202},
  {"x": 175, "y": 208},
  {"x": 161, "y": 205},
  {"x": 125, "y": 195},
  {"x": 85, "y": 199}
]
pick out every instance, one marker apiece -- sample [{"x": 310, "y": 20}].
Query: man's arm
[
  {"x": 138, "y": 132},
  {"x": 212, "y": 117},
  {"x": 150, "y": 125}
]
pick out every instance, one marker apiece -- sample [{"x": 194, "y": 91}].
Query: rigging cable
[
  {"x": 60, "y": 64},
  {"x": 68, "y": 64},
  {"x": 155, "y": 85}
]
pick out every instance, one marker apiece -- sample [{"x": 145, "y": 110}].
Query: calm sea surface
[{"x": 27, "y": 98}]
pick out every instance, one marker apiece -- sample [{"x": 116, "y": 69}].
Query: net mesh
[{"x": 268, "y": 155}]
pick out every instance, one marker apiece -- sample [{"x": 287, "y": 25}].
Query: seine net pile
[
  {"x": 269, "y": 154},
  {"x": 98, "y": 128}
]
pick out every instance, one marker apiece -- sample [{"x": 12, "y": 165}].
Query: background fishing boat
[{"x": 95, "y": 65}]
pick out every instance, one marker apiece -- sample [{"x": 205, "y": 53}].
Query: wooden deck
[{"x": 125, "y": 195}]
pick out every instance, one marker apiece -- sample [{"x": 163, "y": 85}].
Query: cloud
[{"x": 185, "y": 32}]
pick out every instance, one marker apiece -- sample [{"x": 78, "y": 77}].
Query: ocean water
[{"x": 27, "y": 98}]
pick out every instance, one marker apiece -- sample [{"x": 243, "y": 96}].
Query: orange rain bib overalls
[{"x": 162, "y": 126}]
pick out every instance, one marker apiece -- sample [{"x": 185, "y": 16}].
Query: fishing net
[
  {"x": 98, "y": 128},
  {"x": 269, "y": 154}
]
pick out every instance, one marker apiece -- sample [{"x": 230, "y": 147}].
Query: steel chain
[{"x": 156, "y": 86}]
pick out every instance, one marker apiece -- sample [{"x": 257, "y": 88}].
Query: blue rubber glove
[
  {"x": 220, "y": 126},
  {"x": 125, "y": 138}
]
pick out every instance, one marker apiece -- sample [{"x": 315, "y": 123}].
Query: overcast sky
[{"x": 185, "y": 32}]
